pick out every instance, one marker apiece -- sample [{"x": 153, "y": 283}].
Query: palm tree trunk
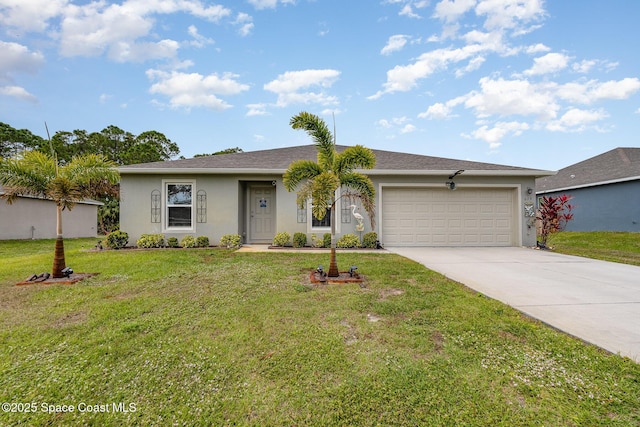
[
  {"x": 333, "y": 264},
  {"x": 58, "y": 254}
]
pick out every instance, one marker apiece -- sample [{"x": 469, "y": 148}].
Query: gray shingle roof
[
  {"x": 619, "y": 164},
  {"x": 278, "y": 159}
]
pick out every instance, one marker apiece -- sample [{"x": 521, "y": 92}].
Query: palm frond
[
  {"x": 299, "y": 171},
  {"x": 353, "y": 158},
  {"x": 28, "y": 175},
  {"x": 360, "y": 187},
  {"x": 318, "y": 130}
]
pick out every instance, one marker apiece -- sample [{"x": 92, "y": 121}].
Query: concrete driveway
[{"x": 596, "y": 301}]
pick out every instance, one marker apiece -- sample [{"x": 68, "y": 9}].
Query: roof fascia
[
  {"x": 592, "y": 184},
  {"x": 373, "y": 172}
]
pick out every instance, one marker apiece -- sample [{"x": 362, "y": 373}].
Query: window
[
  {"x": 324, "y": 222},
  {"x": 314, "y": 225},
  {"x": 179, "y": 205}
]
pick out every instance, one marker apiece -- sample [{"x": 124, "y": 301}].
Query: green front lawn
[
  {"x": 213, "y": 337},
  {"x": 604, "y": 245}
]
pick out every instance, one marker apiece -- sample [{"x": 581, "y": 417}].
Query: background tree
[
  {"x": 553, "y": 214},
  {"x": 14, "y": 141},
  {"x": 332, "y": 177},
  {"x": 39, "y": 174},
  {"x": 225, "y": 151}
]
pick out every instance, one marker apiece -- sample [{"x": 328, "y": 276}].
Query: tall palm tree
[
  {"x": 332, "y": 177},
  {"x": 38, "y": 174}
]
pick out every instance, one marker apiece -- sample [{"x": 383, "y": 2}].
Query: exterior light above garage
[{"x": 450, "y": 184}]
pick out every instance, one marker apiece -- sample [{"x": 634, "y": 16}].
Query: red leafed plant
[{"x": 554, "y": 212}]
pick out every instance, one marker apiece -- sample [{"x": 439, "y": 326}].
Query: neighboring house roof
[
  {"x": 82, "y": 202},
  {"x": 618, "y": 165},
  {"x": 277, "y": 161}
]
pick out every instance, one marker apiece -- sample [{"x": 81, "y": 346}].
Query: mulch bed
[{"x": 74, "y": 278}]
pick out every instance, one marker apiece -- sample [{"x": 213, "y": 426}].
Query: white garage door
[{"x": 441, "y": 217}]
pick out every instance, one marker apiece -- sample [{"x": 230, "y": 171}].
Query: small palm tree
[
  {"x": 38, "y": 174},
  {"x": 320, "y": 181}
]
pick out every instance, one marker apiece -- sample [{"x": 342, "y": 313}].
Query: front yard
[{"x": 213, "y": 337}]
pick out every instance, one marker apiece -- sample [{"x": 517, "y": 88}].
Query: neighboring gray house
[
  {"x": 35, "y": 218},
  {"x": 605, "y": 191},
  {"x": 242, "y": 193}
]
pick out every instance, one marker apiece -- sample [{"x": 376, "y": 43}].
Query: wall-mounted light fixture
[
  {"x": 450, "y": 184},
  {"x": 529, "y": 190}
]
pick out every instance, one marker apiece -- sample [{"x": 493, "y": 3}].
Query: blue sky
[{"x": 529, "y": 83}]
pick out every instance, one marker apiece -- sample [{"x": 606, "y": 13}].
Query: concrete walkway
[{"x": 596, "y": 301}]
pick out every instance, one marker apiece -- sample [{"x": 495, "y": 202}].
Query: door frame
[{"x": 250, "y": 187}]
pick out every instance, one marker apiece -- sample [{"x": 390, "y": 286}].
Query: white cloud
[
  {"x": 592, "y": 91},
  {"x": 403, "y": 78},
  {"x": 451, "y": 10},
  {"x": 291, "y": 87},
  {"x": 195, "y": 90},
  {"x": 408, "y": 128},
  {"x": 408, "y": 6},
  {"x": 537, "y": 48},
  {"x": 510, "y": 14},
  {"x": 576, "y": 120},
  {"x": 30, "y": 15},
  {"x": 512, "y": 97},
  {"x": 437, "y": 111},
  {"x": 17, "y": 58},
  {"x": 18, "y": 92},
  {"x": 495, "y": 134},
  {"x": 198, "y": 39},
  {"x": 269, "y": 4},
  {"x": 473, "y": 65},
  {"x": 125, "y": 30},
  {"x": 583, "y": 66},
  {"x": 395, "y": 43},
  {"x": 549, "y": 63},
  {"x": 256, "y": 110},
  {"x": 104, "y": 98},
  {"x": 245, "y": 22}
]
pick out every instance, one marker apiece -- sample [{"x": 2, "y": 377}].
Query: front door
[{"x": 262, "y": 218}]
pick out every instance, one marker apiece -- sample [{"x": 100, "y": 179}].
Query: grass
[
  {"x": 605, "y": 245},
  {"x": 214, "y": 337}
]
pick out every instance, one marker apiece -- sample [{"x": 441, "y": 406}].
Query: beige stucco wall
[
  {"x": 226, "y": 203},
  {"x": 30, "y": 218}
]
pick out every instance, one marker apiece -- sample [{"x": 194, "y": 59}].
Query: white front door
[{"x": 262, "y": 216}]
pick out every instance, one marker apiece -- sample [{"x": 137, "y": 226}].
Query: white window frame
[{"x": 166, "y": 205}]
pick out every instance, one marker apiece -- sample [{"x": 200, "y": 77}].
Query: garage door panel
[{"x": 440, "y": 217}]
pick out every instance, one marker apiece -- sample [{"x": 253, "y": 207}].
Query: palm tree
[
  {"x": 38, "y": 174},
  {"x": 320, "y": 181}
]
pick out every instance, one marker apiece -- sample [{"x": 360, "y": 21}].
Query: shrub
[
  {"x": 202, "y": 241},
  {"x": 326, "y": 240},
  {"x": 281, "y": 239},
  {"x": 231, "y": 241},
  {"x": 370, "y": 240},
  {"x": 554, "y": 213},
  {"x": 299, "y": 240},
  {"x": 150, "y": 241},
  {"x": 188, "y": 242},
  {"x": 117, "y": 239},
  {"x": 348, "y": 241},
  {"x": 172, "y": 242},
  {"x": 315, "y": 242}
]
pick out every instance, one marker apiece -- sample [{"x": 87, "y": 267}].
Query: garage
[{"x": 424, "y": 216}]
